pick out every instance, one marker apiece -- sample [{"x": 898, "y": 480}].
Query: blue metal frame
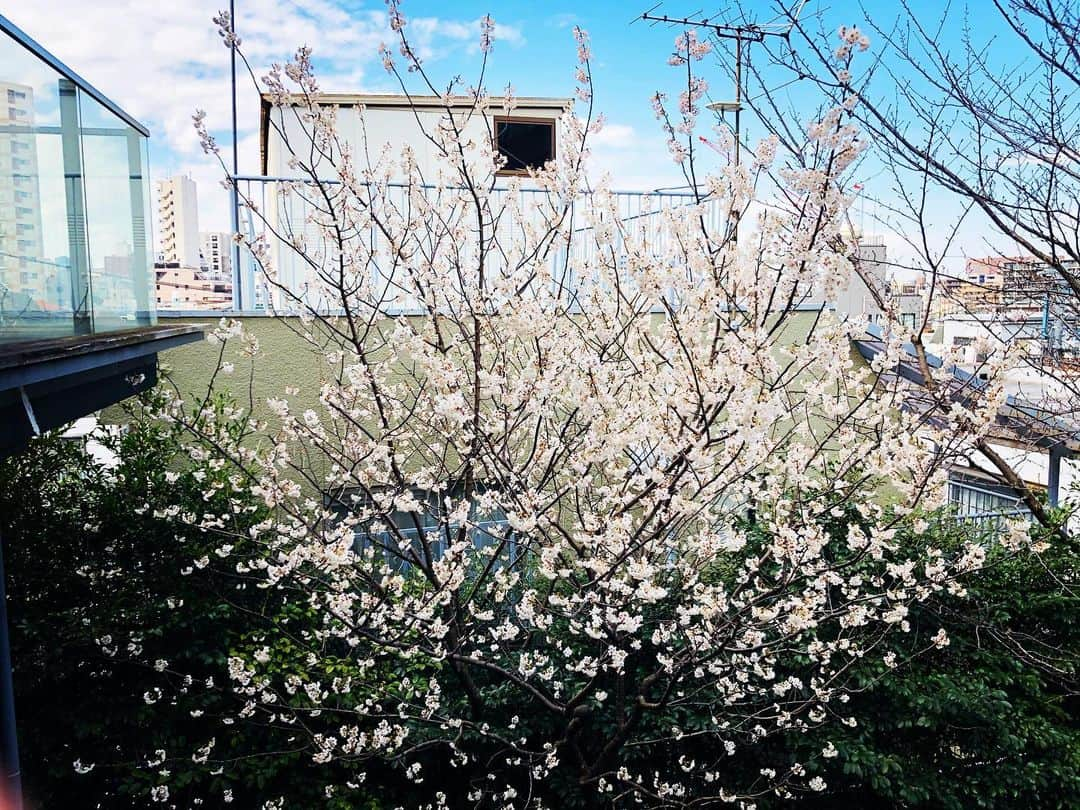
[{"x": 28, "y": 42}]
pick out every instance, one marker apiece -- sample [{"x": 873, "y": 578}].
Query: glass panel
[
  {"x": 74, "y": 247},
  {"x": 114, "y": 175},
  {"x": 35, "y": 265}
]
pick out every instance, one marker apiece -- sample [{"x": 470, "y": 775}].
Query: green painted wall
[{"x": 284, "y": 359}]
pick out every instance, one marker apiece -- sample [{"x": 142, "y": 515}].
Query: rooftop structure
[
  {"x": 1034, "y": 440},
  {"x": 78, "y": 329}
]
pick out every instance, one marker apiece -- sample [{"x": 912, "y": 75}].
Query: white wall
[
  {"x": 855, "y": 301},
  {"x": 368, "y": 129}
]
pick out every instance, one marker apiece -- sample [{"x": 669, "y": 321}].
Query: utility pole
[
  {"x": 744, "y": 36},
  {"x": 234, "y": 201}
]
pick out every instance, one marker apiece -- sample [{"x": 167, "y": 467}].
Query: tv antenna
[{"x": 748, "y": 33}]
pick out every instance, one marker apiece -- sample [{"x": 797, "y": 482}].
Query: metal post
[
  {"x": 1053, "y": 476},
  {"x": 738, "y": 127},
  {"x": 142, "y": 261},
  {"x": 738, "y": 96},
  {"x": 79, "y": 257},
  {"x": 238, "y": 297},
  {"x": 9, "y": 742}
]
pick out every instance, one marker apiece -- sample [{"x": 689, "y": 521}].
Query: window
[
  {"x": 526, "y": 143},
  {"x": 982, "y": 502},
  {"x": 488, "y": 528}
]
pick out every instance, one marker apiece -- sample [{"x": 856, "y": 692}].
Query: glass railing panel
[
  {"x": 114, "y": 184},
  {"x": 37, "y": 298}
]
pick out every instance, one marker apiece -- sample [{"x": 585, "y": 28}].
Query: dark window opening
[{"x": 525, "y": 143}]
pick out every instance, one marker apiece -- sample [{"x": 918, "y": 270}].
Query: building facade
[
  {"x": 215, "y": 248},
  {"x": 527, "y": 138},
  {"x": 25, "y": 273},
  {"x": 178, "y": 221},
  {"x": 187, "y": 288}
]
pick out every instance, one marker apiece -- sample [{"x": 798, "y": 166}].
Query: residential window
[
  {"x": 985, "y": 502},
  {"x": 526, "y": 143},
  {"x": 387, "y": 532}
]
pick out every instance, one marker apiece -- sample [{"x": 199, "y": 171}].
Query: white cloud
[
  {"x": 635, "y": 161},
  {"x": 162, "y": 61}
]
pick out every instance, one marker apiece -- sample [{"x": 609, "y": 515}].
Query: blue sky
[{"x": 161, "y": 61}]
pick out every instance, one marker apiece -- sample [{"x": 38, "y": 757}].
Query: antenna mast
[{"x": 745, "y": 33}]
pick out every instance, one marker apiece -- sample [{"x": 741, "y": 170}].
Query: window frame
[{"x": 522, "y": 119}]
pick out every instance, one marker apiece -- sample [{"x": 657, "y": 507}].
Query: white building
[
  {"x": 24, "y": 272},
  {"x": 178, "y": 221},
  {"x": 528, "y": 138},
  {"x": 856, "y": 301},
  {"x": 216, "y": 250}
]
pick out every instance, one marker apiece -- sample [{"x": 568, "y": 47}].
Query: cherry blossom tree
[
  {"x": 974, "y": 124},
  {"x": 578, "y": 526}
]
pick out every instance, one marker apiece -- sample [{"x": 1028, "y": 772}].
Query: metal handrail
[
  {"x": 645, "y": 209},
  {"x": 263, "y": 178}
]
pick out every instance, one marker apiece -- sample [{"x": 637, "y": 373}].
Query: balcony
[
  {"x": 82, "y": 172},
  {"x": 293, "y": 208},
  {"x": 77, "y": 324}
]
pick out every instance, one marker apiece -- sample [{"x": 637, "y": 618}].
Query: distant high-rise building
[
  {"x": 23, "y": 270},
  {"x": 178, "y": 221},
  {"x": 216, "y": 249}
]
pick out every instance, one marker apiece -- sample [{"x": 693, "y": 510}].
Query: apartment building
[
  {"x": 178, "y": 221},
  {"x": 25, "y": 273},
  {"x": 186, "y": 288},
  {"x": 215, "y": 249}
]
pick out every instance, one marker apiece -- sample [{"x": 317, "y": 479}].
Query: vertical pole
[
  {"x": 143, "y": 276},
  {"x": 738, "y": 118},
  {"x": 738, "y": 97},
  {"x": 1053, "y": 477},
  {"x": 238, "y": 298},
  {"x": 9, "y": 743},
  {"x": 78, "y": 248}
]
